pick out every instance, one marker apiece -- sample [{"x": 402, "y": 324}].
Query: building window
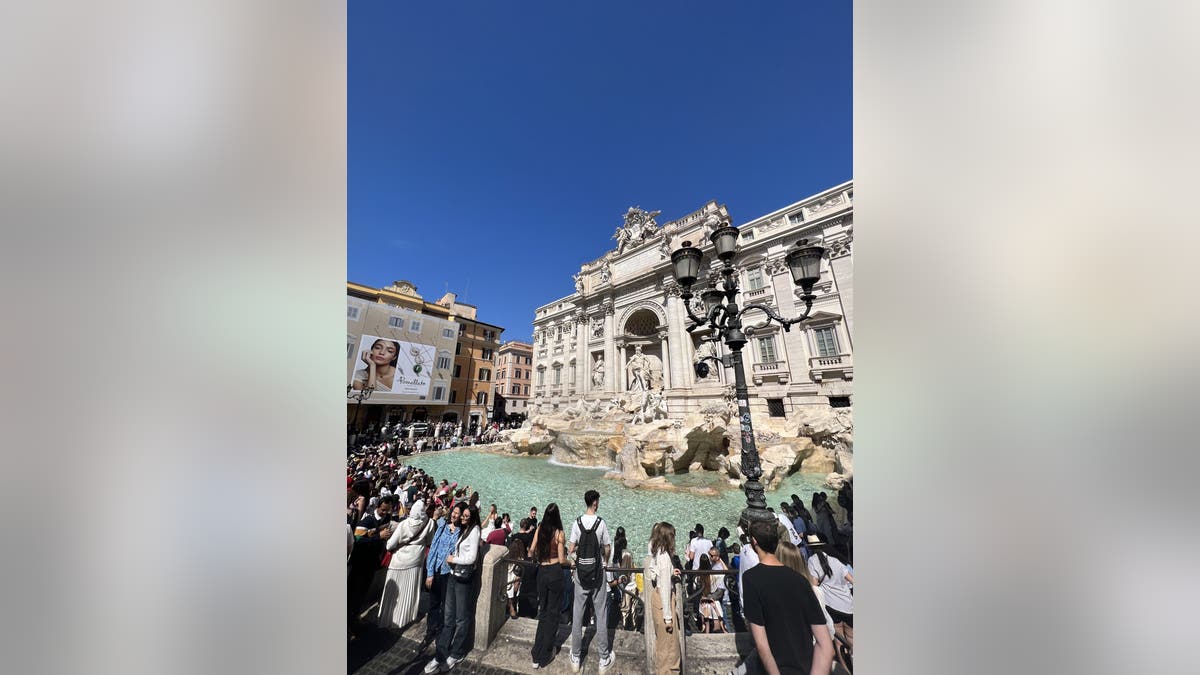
[
  {"x": 775, "y": 407},
  {"x": 766, "y": 349},
  {"x": 558, "y": 376},
  {"x": 443, "y": 362},
  {"x": 487, "y": 355},
  {"x": 755, "y": 279},
  {"x": 541, "y": 377},
  {"x": 526, "y": 390},
  {"x": 517, "y": 373},
  {"x": 797, "y": 217},
  {"x": 438, "y": 392},
  {"x": 485, "y": 375},
  {"x": 352, "y": 313},
  {"x": 447, "y": 332},
  {"x": 826, "y": 341},
  {"x": 349, "y": 347},
  {"x": 415, "y": 326},
  {"x": 457, "y": 370},
  {"x": 458, "y": 348},
  {"x": 396, "y": 321},
  {"x": 481, "y": 398},
  {"x": 516, "y": 389},
  {"x": 839, "y": 401},
  {"x": 462, "y": 328},
  {"x": 572, "y": 375},
  {"x": 453, "y": 395}
]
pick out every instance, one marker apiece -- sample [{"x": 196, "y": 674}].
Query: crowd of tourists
[
  {"x": 789, "y": 582},
  {"x": 415, "y": 437}
]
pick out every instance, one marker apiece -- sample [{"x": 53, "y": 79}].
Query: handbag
[{"x": 462, "y": 572}]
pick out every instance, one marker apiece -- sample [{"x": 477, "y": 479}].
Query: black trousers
[
  {"x": 437, "y": 605},
  {"x": 550, "y": 589}
]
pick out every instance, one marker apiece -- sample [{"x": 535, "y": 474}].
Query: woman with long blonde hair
[
  {"x": 789, "y": 554},
  {"x": 661, "y": 574}
]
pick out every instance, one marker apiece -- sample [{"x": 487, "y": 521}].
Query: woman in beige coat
[
  {"x": 402, "y": 586},
  {"x": 661, "y": 576}
]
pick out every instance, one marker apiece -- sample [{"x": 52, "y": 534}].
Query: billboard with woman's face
[{"x": 393, "y": 366}]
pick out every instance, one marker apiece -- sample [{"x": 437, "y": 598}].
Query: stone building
[
  {"x": 587, "y": 345},
  {"x": 454, "y": 350},
  {"x": 514, "y": 373}
]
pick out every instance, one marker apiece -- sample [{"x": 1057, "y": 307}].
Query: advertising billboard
[{"x": 394, "y": 366}]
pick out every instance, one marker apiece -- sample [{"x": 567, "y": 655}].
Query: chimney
[{"x": 448, "y": 299}]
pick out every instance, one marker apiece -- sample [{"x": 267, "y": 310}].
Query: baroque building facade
[{"x": 627, "y": 318}]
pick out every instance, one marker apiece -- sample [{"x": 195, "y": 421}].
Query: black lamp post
[
  {"x": 724, "y": 316},
  {"x": 358, "y": 395}
]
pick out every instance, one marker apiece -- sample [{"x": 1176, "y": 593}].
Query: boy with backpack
[{"x": 590, "y": 544}]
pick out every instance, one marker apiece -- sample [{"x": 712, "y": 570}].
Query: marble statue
[
  {"x": 706, "y": 350},
  {"x": 597, "y": 327},
  {"x": 653, "y": 407},
  {"x": 578, "y": 283},
  {"x": 639, "y": 226},
  {"x": 639, "y": 370},
  {"x": 598, "y": 372}
]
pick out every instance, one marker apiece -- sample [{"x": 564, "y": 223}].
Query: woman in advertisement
[{"x": 380, "y": 372}]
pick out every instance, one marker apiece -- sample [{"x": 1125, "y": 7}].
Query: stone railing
[
  {"x": 820, "y": 366},
  {"x": 492, "y": 608},
  {"x": 772, "y": 367},
  {"x": 756, "y": 294}
]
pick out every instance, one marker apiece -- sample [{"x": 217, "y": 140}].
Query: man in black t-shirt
[{"x": 783, "y": 612}]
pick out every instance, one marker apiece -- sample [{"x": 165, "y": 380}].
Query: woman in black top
[{"x": 549, "y": 550}]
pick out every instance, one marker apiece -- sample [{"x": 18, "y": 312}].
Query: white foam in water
[{"x": 555, "y": 462}]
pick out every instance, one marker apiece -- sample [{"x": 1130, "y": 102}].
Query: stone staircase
[{"x": 512, "y": 645}]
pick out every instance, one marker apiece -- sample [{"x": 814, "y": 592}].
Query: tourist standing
[
  {"x": 437, "y": 574},
  {"x": 372, "y": 531},
  {"x": 698, "y": 548},
  {"x": 591, "y": 546},
  {"x": 720, "y": 592},
  {"x": 786, "y": 622},
  {"x": 550, "y": 552},
  {"x": 402, "y": 587},
  {"x": 661, "y": 572},
  {"x": 498, "y": 534},
  {"x": 836, "y": 580},
  {"x": 791, "y": 556},
  {"x": 460, "y": 595}
]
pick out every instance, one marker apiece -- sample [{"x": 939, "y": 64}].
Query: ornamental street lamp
[
  {"x": 724, "y": 316},
  {"x": 358, "y": 395}
]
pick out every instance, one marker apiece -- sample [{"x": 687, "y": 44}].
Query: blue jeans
[{"x": 460, "y": 613}]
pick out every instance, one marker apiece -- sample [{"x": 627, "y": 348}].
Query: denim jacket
[{"x": 443, "y": 545}]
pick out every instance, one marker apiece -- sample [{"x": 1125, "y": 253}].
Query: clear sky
[{"x": 494, "y": 146}]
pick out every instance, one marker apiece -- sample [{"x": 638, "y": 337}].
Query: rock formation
[{"x": 640, "y": 450}]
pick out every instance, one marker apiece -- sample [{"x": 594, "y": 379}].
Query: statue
[
  {"x": 639, "y": 371},
  {"x": 654, "y": 407},
  {"x": 598, "y": 372},
  {"x": 706, "y": 350},
  {"x": 578, "y": 282},
  {"x": 639, "y": 226},
  {"x": 606, "y": 273},
  {"x": 597, "y": 327}
]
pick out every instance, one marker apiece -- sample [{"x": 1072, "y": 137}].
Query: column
[
  {"x": 619, "y": 376},
  {"x": 666, "y": 357},
  {"x": 790, "y": 344},
  {"x": 678, "y": 366},
  {"x": 583, "y": 359},
  {"x": 610, "y": 349}
]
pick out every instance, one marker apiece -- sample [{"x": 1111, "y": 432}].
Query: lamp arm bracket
[{"x": 772, "y": 315}]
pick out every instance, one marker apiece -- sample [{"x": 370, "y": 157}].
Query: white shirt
[
  {"x": 792, "y": 534},
  {"x": 588, "y": 522},
  {"x": 836, "y": 588},
  {"x": 699, "y": 546},
  {"x": 746, "y": 559},
  {"x": 718, "y": 580}
]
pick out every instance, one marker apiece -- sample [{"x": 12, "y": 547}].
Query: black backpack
[{"x": 589, "y": 564}]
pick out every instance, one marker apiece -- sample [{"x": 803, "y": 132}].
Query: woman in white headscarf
[{"x": 402, "y": 586}]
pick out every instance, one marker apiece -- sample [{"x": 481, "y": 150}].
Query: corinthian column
[
  {"x": 619, "y": 380},
  {"x": 583, "y": 360},
  {"x": 666, "y": 357},
  {"x": 610, "y": 348},
  {"x": 680, "y": 365}
]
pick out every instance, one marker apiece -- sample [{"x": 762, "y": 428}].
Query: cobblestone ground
[{"x": 382, "y": 652}]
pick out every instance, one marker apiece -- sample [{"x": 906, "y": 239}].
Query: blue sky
[{"x": 494, "y": 146}]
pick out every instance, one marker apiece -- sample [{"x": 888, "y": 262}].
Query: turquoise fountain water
[{"x": 516, "y": 483}]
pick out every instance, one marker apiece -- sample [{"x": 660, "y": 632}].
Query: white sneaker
[
  {"x": 575, "y": 665},
  {"x": 451, "y": 662},
  {"x": 535, "y": 665},
  {"x": 608, "y": 662},
  {"x": 433, "y": 666}
]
